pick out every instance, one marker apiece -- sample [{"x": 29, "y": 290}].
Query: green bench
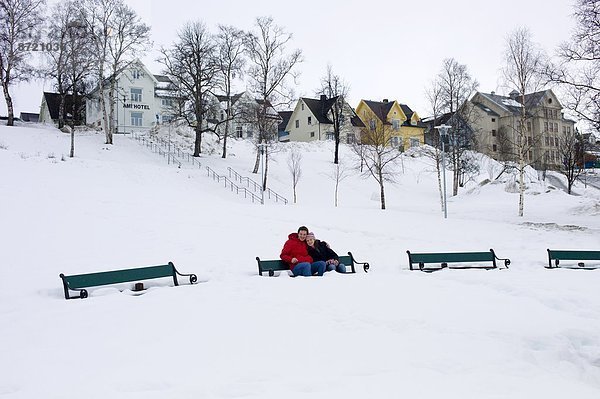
[
  {"x": 556, "y": 255},
  {"x": 271, "y": 266},
  {"x": 486, "y": 260},
  {"x": 78, "y": 282}
]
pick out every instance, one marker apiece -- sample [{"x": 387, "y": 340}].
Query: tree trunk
[
  {"x": 336, "y": 192},
  {"x": 266, "y": 161},
  {"x": 9, "y": 105},
  {"x": 337, "y": 149},
  {"x": 111, "y": 114},
  {"x": 381, "y": 191},
  {"x": 61, "y": 111},
  {"x": 521, "y": 185},
  {"x": 439, "y": 178},
  {"x": 257, "y": 162},
  {"x": 198, "y": 141}
]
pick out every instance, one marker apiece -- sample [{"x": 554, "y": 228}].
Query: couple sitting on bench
[{"x": 307, "y": 256}]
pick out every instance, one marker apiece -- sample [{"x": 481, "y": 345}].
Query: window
[
  {"x": 564, "y": 129},
  {"x": 136, "y": 119},
  {"x": 312, "y": 134},
  {"x": 569, "y": 129},
  {"x": 556, "y": 127},
  {"x": 222, "y": 115},
  {"x": 137, "y": 74},
  {"x": 556, "y": 141},
  {"x": 529, "y": 126},
  {"x": 530, "y": 155},
  {"x": 493, "y": 132},
  {"x": 529, "y": 140},
  {"x": 547, "y": 143},
  {"x": 545, "y": 126},
  {"x": 297, "y": 123},
  {"x": 238, "y": 132},
  {"x": 249, "y": 133},
  {"x": 310, "y": 120},
  {"x": 166, "y": 102},
  {"x": 302, "y": 105},
  {"x": 167, "y": 118},
  {"x": 493, "y": 119},
  {"x": 396, "y": 124},
  {"x": 330, "y": 136},
  {"x": 350, "y": 139},
  {"x": 395, "y": 142},
  {"x": 136, "y": 95},
  {"x": 494, "y": 147},
  {"x": 414, "y": 142},
  {"x": 372, "y": 124}
]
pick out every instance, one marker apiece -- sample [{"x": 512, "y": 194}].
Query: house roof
[
  {"x": 234, "y": 98},
  {"x": 285, "y": 118},
  {"x": 53, "y": 102},
  {"x": 486, "y": 109},
  {"x": 380, "y": 108},
  {"x": 513, "y": 104},
  {"x": 320, "y": 107},
  {"x": 355, "y": 121}
]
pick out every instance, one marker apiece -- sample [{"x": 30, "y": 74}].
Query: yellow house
[{"x": 401, "y": 123}]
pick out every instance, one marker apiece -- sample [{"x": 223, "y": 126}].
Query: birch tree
[
  {"x": 120, "y": 37},
  {"x": 333, "y": 86},
  {"x": 523, "y": 63},
  {"x": 377, "y": 154},
  {"x": 230, "y": 61},
  {"x": 20, "y": 27},
  {"x": 338, "y": 174},
  {"x": 270, "y": 68},
  {"x": 295, "y": 168}
]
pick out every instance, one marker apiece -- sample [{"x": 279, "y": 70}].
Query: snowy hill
[{"x": 526, "y": 332}]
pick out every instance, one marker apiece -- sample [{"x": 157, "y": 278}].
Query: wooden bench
[
  {"x": 444, "y": 258},
  {"x": 271, "y": 266},
  {"x": 558, "y": 255},
  {"x": 78, "y": 282}
]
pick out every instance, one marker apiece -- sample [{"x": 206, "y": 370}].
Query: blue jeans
[
  {"x": 308, "y": 269},
  {"x": 340, "y": 268}
]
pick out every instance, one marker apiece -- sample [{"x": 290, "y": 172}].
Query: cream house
[{"x": 312, "y": 119}]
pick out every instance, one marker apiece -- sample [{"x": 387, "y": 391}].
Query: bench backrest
[
  {"x": 451, "y": 257},
  {"x": 118, "y": 276},
  {"x": 573, "y": 255}
]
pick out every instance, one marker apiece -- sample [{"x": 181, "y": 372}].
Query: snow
[
  {"x": 511, "y": 103},
  {"x": 526, "y": 332}
]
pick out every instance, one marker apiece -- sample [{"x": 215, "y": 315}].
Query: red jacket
[{"x": 294, "y": 248}]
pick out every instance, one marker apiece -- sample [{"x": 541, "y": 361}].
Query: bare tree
[
  {"x": 376, "y": 153},
  {"x": 434, "y": 96},
  {"x": 522, "y": 72},
  {"x": 20, "y": 23},
  {"x": 338, "y": 174},
  {"x": 230, "y": 61},
  {"x": 333, "y": 86},
  {"x": 71, "y": 64},
  {"x": 571, "y": 150},
  {"x": 270, "y": 67},
  {"x": 455, "y": 87},
  {"x": 579, "y": 70},
  {"x": 191, "y": 64},
  {"x": 119, "y": 37},
  {"x": 295, "y": 167}
]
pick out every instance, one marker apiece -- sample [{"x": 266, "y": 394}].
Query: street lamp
[
  {"x": 443, "y": 131},
  {"x": 262, "y": 147}
]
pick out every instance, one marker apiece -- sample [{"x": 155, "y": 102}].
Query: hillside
[{"x": 518, "y": 333}]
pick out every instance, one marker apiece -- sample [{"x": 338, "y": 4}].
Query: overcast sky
[{"x": 383, "y": 49}]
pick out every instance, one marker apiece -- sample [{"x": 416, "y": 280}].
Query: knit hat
[{"x": 310, "y": 235}]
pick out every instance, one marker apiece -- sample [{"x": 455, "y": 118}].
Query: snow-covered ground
[{"x": 526, "y": 332}]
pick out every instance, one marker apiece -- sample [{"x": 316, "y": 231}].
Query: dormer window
[{"x": 137, "y": 74}]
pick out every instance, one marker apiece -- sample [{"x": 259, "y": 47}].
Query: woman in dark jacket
[{"x": 320, "y": 250}]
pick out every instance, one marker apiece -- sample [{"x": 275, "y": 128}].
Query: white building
[{"x": 141, "y": 100}]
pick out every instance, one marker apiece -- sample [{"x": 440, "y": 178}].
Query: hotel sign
[{"x": 137, "y": 106}]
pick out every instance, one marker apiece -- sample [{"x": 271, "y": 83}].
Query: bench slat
[
  {"x": 118, "y": 276},
  {"x": 573, "y": 255},
  {"x": 452, "y": 257}
]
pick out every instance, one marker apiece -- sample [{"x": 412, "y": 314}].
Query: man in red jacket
[{"x": 295, "y": 254}]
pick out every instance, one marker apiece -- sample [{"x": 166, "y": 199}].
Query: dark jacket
[
  {"x": 321, "y": 251},
  {"x": 294, "y": 248}
]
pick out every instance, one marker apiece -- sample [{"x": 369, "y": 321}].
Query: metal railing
[
  {"x": 255, "y": 186},
  {"x": 234, "y": 188}
]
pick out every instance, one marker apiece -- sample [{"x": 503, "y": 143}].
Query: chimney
[
  {"x": 514, "y": 94},
  {"x": 385, "y": 100},
  {"x": 323, "y": 97},
  {"x": 493, "y": 93}
]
